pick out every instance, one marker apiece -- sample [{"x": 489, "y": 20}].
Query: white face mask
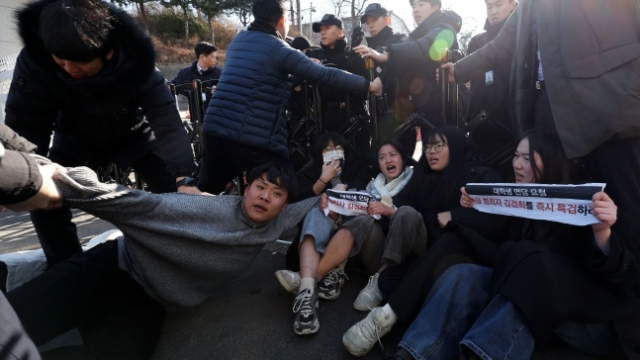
[{"x": 329, "y": 156}]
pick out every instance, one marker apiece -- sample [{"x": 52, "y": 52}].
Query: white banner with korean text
[
  {"x": 349, "y": 203},
  {"x": 567, "y": 204}
]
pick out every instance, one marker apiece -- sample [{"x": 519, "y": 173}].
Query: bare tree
[
  {"x": 357, "y": 6},
  {"x": 338, "y": 6}
]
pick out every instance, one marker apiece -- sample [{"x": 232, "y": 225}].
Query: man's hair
[
  {"x": 432, "y": 2},
  {"x": 204, "y": 48},
  {"x": 280, "y": 175},
  {"x": 268, "y": 10},
  {"x": 77, "y": 30}
]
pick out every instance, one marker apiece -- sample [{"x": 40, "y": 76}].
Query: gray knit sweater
[{"x": 185, "y": 245}]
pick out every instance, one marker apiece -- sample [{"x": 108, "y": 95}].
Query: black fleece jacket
[{"x": 19, "y": 175}]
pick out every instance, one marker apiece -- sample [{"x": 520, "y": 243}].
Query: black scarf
[
  {"x": 265, "y": 27},
  {"x": 493, "y": 30}
]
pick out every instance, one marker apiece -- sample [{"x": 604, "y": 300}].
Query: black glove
[{"x": 356, "y": 36}]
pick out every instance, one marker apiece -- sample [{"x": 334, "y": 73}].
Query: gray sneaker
[
  {"x": 289, "y": 280},
  {"x": 361, "y": 337},
  {"x": 370, "y": 296},
  {"x": 305, "y": 321},
  {"x": 329, "y": 286}
]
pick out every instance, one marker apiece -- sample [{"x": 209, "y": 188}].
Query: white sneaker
[
  {"x": 370, "y": 296},
  {"x": 361, "y": 337},
  {"x": 289, "y": 280}
]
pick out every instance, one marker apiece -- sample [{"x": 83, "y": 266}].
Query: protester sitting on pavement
[
  {"x": 87, "y": 72},
  {"x": 399, "y": 233},
  {"x": 176, "y": 250},
  {"x": 415, "y": 62},
  {"x": 203, "y": 69},
  {"x": 336, "y": 166},
  {"x": 245, "y": 124},
  {"x": 504, "y": 296},
  {"x": 24, "y": 186},
  {"x": 446, "y": 165}
]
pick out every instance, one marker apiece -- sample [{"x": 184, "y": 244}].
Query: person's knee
[{"x": 407, "y": 214}]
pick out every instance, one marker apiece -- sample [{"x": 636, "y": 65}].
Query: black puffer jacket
[
  {"x": 19, "y": 175},
  {"x": 414, "y": 63},
  {"x": 249, "y": 103},
  {"x": 103, "y": 113}
]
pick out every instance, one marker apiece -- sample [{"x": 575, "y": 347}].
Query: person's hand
[
  {"x": 451, "y": 71},
  {"x": 376, "y": 87},
  {"x": 189, "y": 190},
  {"x": 465, "y": 200},
  {"x": 378, "y": 208},
  {"x": 330, "y": 170},
  {"x": 340, "y": 187},
  {"x": 316, "y": 61},
  {"x": 606, "y": 212},
  {"x": 213, "y": 89},
  {"x": 324, "y": 202},
  {"x": 48, "y": 197},
  {"x": 367, "y": 52},
  {"x": 3, "y": 209},
  {"x": 444, "y": 218}
]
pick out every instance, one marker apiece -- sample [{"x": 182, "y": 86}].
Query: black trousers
[
  {"x": 115, "y": 316},
  {"x": 223, "y": 160},
  {"x": 616, "y": 163},
  {"x": 407, "y": 289},
  {"x": 14, "y": 341},
  {"x": 57, "y": 233}
]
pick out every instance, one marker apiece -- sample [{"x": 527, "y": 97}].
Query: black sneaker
[
  {"x": 329, "y": 287},
  {"x": 305, "y": 321}
]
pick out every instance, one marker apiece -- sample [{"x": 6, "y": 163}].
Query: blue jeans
[
  {"x": 318, "y": 226},
  {"x": 458, "y": 311}
]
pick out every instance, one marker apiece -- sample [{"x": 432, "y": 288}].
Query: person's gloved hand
[{"x": 356, "y": 36}]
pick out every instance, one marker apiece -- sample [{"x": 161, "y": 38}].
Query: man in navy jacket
[{"x": 245, "y": 124}]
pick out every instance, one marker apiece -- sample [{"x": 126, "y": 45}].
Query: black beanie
[{"x": 300, "y": 43}]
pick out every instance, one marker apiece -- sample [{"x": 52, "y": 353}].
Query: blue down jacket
[{"x": 249, "y": 104}]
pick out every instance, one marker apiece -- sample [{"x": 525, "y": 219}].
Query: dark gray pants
[
  {"x": 14, "y": 341},
  {"x": 407, "y": 235}
]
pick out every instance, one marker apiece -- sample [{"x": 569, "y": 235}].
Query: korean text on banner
[{"x": 349, "y": 203}]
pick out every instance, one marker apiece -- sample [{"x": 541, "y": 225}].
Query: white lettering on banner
[
  {"x": 349, "y": 203},
  {"x": 532, "y": 202}
]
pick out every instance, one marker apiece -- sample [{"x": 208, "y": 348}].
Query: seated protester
[
  {"x": 517, "y": 291},
  {"x": 341, "y": 169},
  {"x": 203, "y": 69},
  {"x": 24, "y": 186},
  {"x": 246, "y": 122},
  {"x": 398, "y": 234},
  {"x": 391, "y": 110},
  {"x": 415, "y": 62},
  {"x": 490, "y": 95},
  {"x": 338, "y": 107},
  {"x": 124, "y": 285},
  {"x": 446, "y": 165}
]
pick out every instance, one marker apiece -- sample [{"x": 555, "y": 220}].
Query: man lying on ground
[{"x": 176, "y": 250}]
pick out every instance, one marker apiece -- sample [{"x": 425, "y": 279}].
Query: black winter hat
[
  {"x": 300, "y": 43},
  {"x": 327, "y": 19},
  {"x": 376, "y": 10}
]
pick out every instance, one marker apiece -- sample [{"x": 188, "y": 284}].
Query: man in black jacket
[
  {"x": 87, "y": 72},
  {"x": 24, "y": 185},
  {"x": 415, "y": 62},
  {"x": 338, "y": 106},
  {"x": 245, "y": 124},
  {"x": 493, "y": 139},
  {"x": 203, "y": 69},
  {"x": 393, "y": 110}
]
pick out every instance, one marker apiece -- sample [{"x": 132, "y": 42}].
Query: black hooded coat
[{"x": 116, "y": 114}]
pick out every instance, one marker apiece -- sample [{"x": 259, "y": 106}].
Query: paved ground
[{"x": 249, "y": 318}]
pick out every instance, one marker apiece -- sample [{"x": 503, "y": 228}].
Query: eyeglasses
[{"x": 437, "y": 147}]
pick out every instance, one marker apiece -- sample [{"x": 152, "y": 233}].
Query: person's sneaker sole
[
  {"x": 308, "y": 331},
  {"x": 285, "y": 284},
  {"x": 352, "y": 351},
  {"x": 365, "y": 307},
  {"x": 326, "y": 297}
]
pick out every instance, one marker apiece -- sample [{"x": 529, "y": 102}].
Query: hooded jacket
[
  {"x": 414, "y": 65},
  {"x": 249, "y": 104},
  {"x": 590, "y": 54},
  {"x": 103, "y": 113}
]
